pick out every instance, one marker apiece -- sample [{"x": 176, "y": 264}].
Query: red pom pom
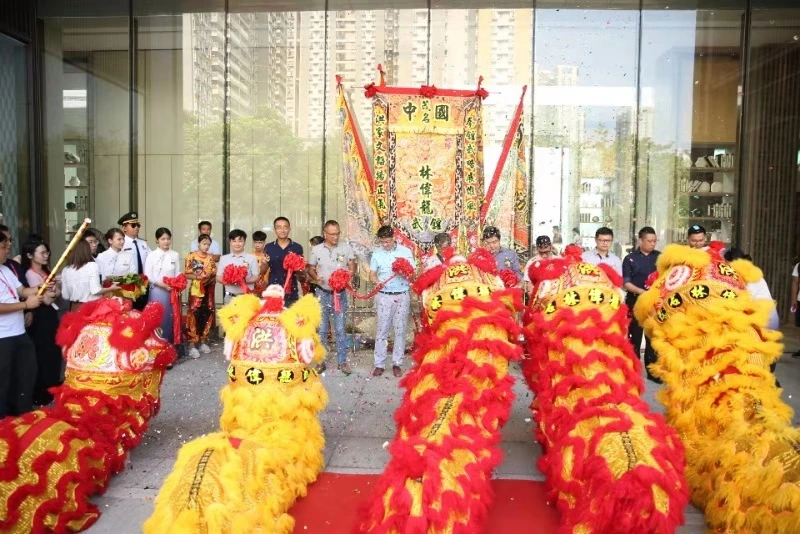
[
  {"x": 339, "y": 279},
  {"x": 152, "y": 315},
  {"x": 234, "y": 274},
  {"x": 448, "y": 253},
  {"x": 294, "y": 262},
  {"x": 547, "y": 269},
  {"x": 483, "y": 260},
  {"x": 428, "y": 91},
  {"x": 427, "y": 279},
  {"x": 651, "y": 280},
  {"x": 370, "y": 90},
  {"x": 573, "y": 252},
  {"x": 403, "y": 267},
  {"x": 509, "y": 278},
  {"x": 178, "y": 283},
  {"x": 272, "y": 305}
]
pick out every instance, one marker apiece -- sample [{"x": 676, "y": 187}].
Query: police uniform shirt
[{"x": 130, "y": 247}]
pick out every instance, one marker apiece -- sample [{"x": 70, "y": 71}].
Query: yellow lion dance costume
[
  {"x": 457, "y": 398},
  {"x": 714, "y": 354},
  {"x": 246, "y": 477},
  {"x": 611, "y": 465},
  {"x": 52, "y": 460}
]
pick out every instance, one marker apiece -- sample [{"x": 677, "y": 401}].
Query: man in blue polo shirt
[
  {"x": 636, "y": 268},
  {"x": 276, "y": 252},
  {"x": 392, "y": 301}
]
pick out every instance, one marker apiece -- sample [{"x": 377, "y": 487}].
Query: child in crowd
[
  {"x": 201, "y": 269},
  {"x": 259, "y": 242}
]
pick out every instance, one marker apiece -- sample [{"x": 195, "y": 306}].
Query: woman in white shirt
[
  {"x": 80, "y": 280},
  {"x": 114, "y": 261},
  {"x": 160, "y": 263}
]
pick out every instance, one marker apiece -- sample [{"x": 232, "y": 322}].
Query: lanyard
[{"x": 11, "y": 291}]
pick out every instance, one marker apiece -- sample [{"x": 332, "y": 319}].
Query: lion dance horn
[
  {"x": 52, "y": 460},
  {"x": 246, "y": 477},
  {"x": 457, "y": 398},
  {"x": 611, "y": 465},
  {"x": 714, "y": 353}
]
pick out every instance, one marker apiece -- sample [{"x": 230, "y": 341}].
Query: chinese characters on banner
[
  {"x": 428, "y": 162},
  {"x": 427, "y": 175}
]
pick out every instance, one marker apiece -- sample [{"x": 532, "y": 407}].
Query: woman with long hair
[
  {"x": 42, "y": 330},
  {"x": 80, "y": 280},
  {"x": 114, "y": 261},
  {"x": 160, "y": 263}
]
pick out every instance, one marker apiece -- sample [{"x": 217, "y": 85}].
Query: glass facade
[{"x": 643, "y": 112}]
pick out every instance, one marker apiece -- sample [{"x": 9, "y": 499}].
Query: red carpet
[{"x": 331, "y": 506}]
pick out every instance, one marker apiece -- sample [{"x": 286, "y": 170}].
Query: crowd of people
[{"x": 31, "y": 362}]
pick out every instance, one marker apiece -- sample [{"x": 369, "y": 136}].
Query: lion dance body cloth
[
  {"x": 457, "y": 398},
  {"x": 53, "y": 459},
  {"x": 714, "y": 355},
  {"x": 611, "y": 465},
  {"x": 246, "y": 477}
]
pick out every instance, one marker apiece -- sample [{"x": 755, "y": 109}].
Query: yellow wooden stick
[{"x": 77, "y": 237}]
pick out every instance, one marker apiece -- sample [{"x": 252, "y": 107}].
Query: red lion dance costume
[
  {"x": 53, "y": 459},
  {"x": 457, "y": 399},
  {"x": 611, "y": 465},
  {"x": 714, "y": 353}
]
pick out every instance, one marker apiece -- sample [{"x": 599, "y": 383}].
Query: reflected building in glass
[{"x": 666, "y": 114}]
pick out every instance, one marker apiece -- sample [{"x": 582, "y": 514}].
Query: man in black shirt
[
  {"x": 636, "y": 268},
  {"x": 276, "y": 252}
]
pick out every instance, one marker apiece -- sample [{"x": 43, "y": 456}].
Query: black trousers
[
  {"x": 17, "y": 375},
  {"x": 635, "y": 334}
]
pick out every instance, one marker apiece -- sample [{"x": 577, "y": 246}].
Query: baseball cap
[{"x": 543, "y": 241}]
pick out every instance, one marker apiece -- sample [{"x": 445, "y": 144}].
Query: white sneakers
[
  {"x": 194, "y": 353},
  {"x": 205, "y": 349}
]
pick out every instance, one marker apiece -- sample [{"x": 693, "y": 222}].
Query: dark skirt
[{"x": 48, "y": 355}]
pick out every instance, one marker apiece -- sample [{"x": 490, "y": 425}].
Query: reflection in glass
[
  {"x": 180, "y": 89},
  {"x": 276, "y": 77},
  {"x": 584, "y": 125},
  {"x": 14, "y": 167},
  {"x": 86, "y": 119},
  {"x": 688, "y": 121}
]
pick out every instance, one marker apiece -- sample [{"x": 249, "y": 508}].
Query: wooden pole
[{"x": 72, "y": 244}]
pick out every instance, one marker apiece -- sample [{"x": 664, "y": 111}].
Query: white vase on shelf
[{"x": 74, "y": 181}]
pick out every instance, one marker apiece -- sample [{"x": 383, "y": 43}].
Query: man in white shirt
[
  {"x": 136, "y": 247},
  {"x": 237, "y": 240},
  {"x": 440, "y": 242},
  {"x": 17, "y": 353},
  {"x": 204, "y": 228},
  {"x": 603, "y": 238}
]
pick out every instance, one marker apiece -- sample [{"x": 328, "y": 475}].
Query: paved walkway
[{"x": 358, "y": 422}]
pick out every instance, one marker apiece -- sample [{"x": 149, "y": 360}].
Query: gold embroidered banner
[
  {"x": 428, "y": 162},
  {"x": 362, "y": 218}
]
